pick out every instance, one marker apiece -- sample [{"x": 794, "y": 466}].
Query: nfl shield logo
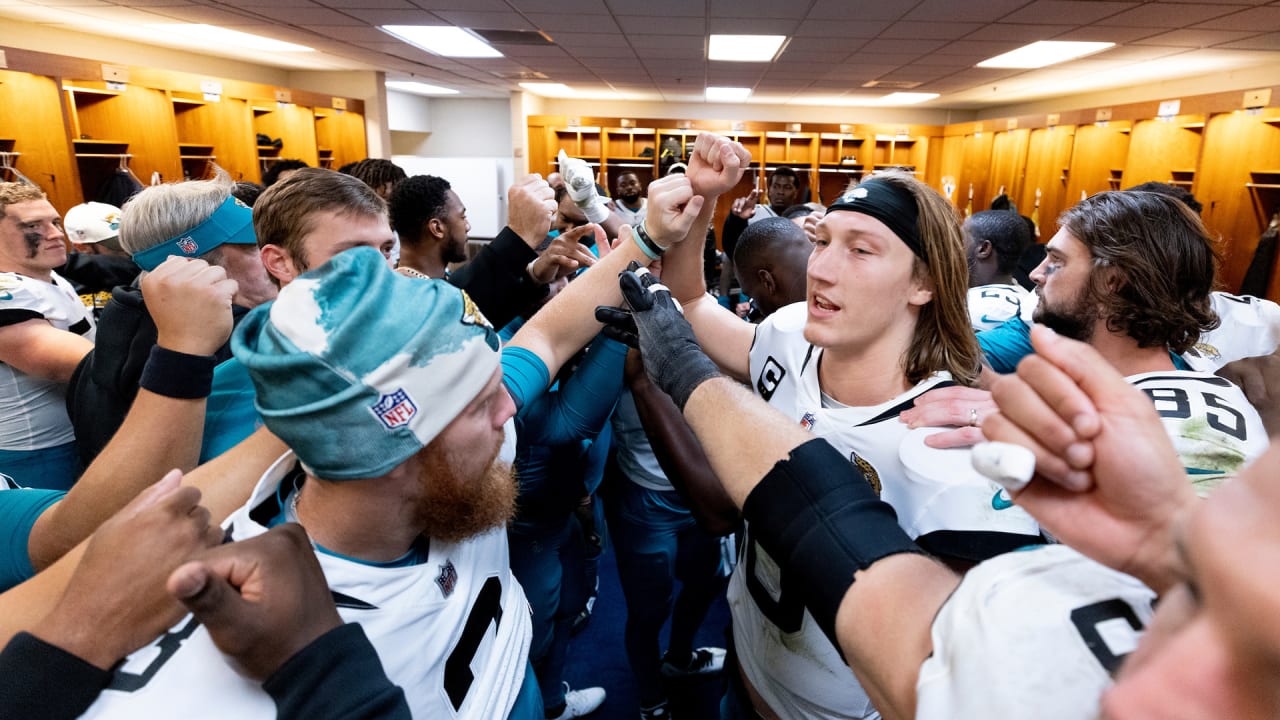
[
  {"x": 188, "y": 246},
  {"x": 808, "y": 421},
  {"x": 447, "y": 579},
  {"x": 395, "y": 409}
]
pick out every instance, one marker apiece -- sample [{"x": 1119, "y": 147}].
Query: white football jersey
[
  {"x": 992, "y": 305},
  {"x": 784, "y": 654},
  {"x": 1249, "y": 327},
  {"x": 1214, "y": 428},
  {"x": 1031, "y": 634},
  {"x": 33, "y": 411},
  {"x": 453, "y": 632}
]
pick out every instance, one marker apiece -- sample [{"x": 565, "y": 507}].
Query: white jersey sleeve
[
  {"x": 1248, "y": 327},
  {"x": 1214, "y": 428},
  {"x": 991, "y": 306},
  {"x": 33, "y": 412},
  {"x": 452, "y": 632},
  {"x": 1031, "y": 634}
]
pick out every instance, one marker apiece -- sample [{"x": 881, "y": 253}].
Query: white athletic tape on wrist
[{"x": 1009, "y": 466}]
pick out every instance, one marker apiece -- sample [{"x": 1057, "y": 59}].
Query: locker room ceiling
[{"x": 655, "y": 50}]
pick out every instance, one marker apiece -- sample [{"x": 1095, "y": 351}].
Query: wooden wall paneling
[
  {"x": 222, "y": 129},
  {"x": 948, "y": 163},
  {"x": 138, "y": 121},
  {"x": 1239, "y": 149},
  {"x": 622, "y": 154},
  {"x": 1097, "y": 159},
  {"x": 838, "y": 164},
  {"x": 1164, "y": 151},
  {"x": 340, "y": 137},
  {"x": 294, "y": 125},
  {"x": 39, "y": 133},
  {"x": 536, "y": 149},
  {"x": 1048, "y": 159},
  {"x": 973, "y": 181},
  {"x": 1008, "y": 167}
]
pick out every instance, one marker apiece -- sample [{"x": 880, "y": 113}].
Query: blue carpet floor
[{"x": 597, "y": 658}]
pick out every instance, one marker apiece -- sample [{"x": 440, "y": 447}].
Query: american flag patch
[
  {"x": 395, "y": 409},
  {"x": 188, "y": 246}
]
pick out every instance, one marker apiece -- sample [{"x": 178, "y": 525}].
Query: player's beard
[
  {"x": 1076, "y": 321},
  {"x": 454, "y": 507}
]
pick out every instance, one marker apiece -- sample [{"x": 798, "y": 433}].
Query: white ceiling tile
[
  {"x": 755, "y": 8},
  {"x": 662, "y": 42},
  {"x": 1195, "y": 38},
  {"x": 1099, "y": 33},
  {"x": 359, "y": 5},
  {"x": 1066, "y": 12},
  {"x": 929, "y": 30},
  {"x": 1269, "y": 41},
  {"x": 752, "y": 26},
  {"x": 1165, "y": 15},
  {"x": 575, "y": 23},
  {"x": 658, "y": 9},
  {"x": 643, "y": 24},
  {"x": 1263, "y": 19},
  {"x": 902, "y": 46},
  {"x": 312, "y": 15},
  {"x": 400, "y": 16},
  {"x": 485, "y": 20},
  {"x": 588, "y": 7},
  {"x": 350, "y": 34},
  {"x": 821, "y": 27},
  {"x": 838, "y": 10},
  {"x": 952, "y": 11},
  {"x": 1012, "y": 32}
]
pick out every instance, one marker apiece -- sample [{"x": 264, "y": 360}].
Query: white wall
[{"x": 469, "y": 127}]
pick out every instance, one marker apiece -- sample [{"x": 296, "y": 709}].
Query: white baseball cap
[{"x": 92, "y": 222}]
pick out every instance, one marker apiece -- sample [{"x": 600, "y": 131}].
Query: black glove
[{"x": 673, "y": 359}]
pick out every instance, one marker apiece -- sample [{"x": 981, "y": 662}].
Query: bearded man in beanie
[{"x": 398, "y": 408}]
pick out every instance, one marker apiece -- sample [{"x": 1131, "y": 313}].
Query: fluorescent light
[
  {"x": 418, "y": 88},
  {"x": 905, "y": 98},
  {"x": 728, "y": 94},
  {"x": 548, "y": 89},
  {"x": 1044, "y": 53},
  {"x": 221, "y": 36},
  {"x": 744, "y": 48},
  {"x": 444, "y": 40}
]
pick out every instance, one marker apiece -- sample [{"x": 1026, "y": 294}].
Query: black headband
[{"x": 890, "y": 204}]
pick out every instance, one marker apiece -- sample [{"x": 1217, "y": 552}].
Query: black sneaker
[{"x": 703, "y": 661}]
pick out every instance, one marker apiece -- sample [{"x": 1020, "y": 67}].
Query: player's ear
[{"x": 984, "y": 250}]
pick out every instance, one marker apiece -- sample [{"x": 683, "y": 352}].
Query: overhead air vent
[
  {"x": 891, "y": 84},
  {"x": 522, "y": 75},
  {"x": 514, "y": 37}
]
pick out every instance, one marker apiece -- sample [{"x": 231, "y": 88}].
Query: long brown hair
[{"x": 943, "y": 337}]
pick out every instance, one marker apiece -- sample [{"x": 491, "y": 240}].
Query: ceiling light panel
[
  {"x": 444, "y": 40},
  {"x": 745, "y": 48},
  {"x": 1044, "y": 53}
]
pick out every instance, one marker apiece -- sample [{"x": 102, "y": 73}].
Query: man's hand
[
  {"x": 745, "y": 207},
  {"x": 581, "y": 182},
  {"x": 961, "y": 407},
  {"x": 531, "y": 203},
  {"x": 810, "y": 225},
  {"x": 672, "y": 357},
  {"x": 262, "y": 599},
  {"x": 190, "y": 302},
  {"x": 1108, "y": 481},
  {"x": 116, "y": 601},
  {"x": 716, "y": 165},
  {"x": 1259, "y": 378},
  {"x": 673, "y": 207},
  {"x": 566, "y": 254}
]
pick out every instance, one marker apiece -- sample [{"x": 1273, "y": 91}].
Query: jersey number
[
  {"x": 1176, "y": 403},
  {"x": 167, "y": 646},
  {"x": 787, "y": 612},
  {"x": 1088, "y": 618},
  {"x": 486, "y": 609}
]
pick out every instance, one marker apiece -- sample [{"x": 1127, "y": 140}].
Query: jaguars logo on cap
[{"x": 471, "y": 314}]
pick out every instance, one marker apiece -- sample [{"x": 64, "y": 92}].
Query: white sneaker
[
  {"x": 703, "y": 661},
  {"x": 578, "y": 703}
]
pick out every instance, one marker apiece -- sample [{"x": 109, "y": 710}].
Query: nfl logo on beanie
[{"x": 356, "y": 367}]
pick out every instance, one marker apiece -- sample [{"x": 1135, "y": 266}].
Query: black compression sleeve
[
  {"x": 818, "y": 517},
  {"x": 40, "y": 680},
  {"x": 337, "y": 676}
]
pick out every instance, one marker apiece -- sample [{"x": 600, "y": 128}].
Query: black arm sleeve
[
  {"x": 817, "y": 515},
  {"x": 496, "y": 279},
  {"x": 39, "y": 680},
  {"x": 337, "y": 677}
]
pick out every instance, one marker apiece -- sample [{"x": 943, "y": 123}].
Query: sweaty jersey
[
  {"x": 452, "y": 632},
  {"x": 33, "y": 411},
  {"x": 1031, "y": 634},
  {"x": 1214, "y": 428},
  {"x": 1248, "y": 327},
  {"x": 991, "y": 306},
  {"x": 937, "y": 495}
]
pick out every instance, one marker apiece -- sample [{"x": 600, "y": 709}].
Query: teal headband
[{"x": 232, "y": 223}]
